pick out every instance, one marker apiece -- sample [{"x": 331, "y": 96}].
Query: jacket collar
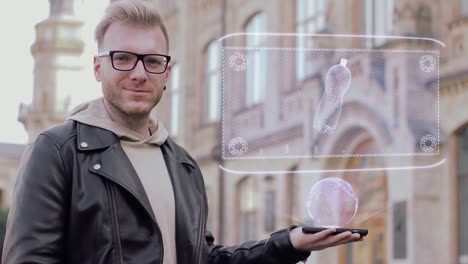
[
  {"x": 92, "y": 138},
  {"x": 172, "y": 150}
]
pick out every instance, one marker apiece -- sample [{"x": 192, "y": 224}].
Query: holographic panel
[{"x": 341, "y": 97}]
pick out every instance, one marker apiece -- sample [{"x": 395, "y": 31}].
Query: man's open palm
[{"x": 321, "y": 240}]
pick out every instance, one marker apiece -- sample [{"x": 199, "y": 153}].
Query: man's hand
[{"x": 322, "y": 240}]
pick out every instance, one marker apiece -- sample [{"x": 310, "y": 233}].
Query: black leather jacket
[{"x": 79, "y": 200}]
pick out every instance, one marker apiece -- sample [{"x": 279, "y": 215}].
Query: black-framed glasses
[{"x": 126, "y": 61}]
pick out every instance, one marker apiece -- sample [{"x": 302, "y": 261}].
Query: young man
[{"x": 109, "y": 186}]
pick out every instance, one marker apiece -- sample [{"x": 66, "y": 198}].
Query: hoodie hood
[{"x": 94, "y": 113}]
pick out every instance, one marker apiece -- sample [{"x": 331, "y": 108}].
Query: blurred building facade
[
  {"x": 422, "y": 210},
  {"x": 413, "y": 216},
  {"x": 56, "y": 51}
]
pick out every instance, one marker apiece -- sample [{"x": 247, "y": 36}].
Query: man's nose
[{"x": 139, "y": 71}]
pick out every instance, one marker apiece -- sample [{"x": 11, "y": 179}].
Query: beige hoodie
[{"x": 146, "y": 157}]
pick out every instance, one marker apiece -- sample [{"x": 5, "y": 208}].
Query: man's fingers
[
  {"x": 337, "y": 239},
  {"x": 327, "y": 237},
  {"x": 324, "y": 234},
  {"x": 323, "y": 239},
  {"x": 349, "y": 238}
]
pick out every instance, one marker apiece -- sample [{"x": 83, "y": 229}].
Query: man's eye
[
  {"x": 154, "y": 61},
  {"x": 122, "y": 58}
]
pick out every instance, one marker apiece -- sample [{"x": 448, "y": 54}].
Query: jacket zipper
[{"x": 114, "y": 219}]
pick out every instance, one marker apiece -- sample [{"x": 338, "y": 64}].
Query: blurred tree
[{"x": 3, "y": 219}]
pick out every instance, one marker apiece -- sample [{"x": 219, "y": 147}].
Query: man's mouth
[{"x": 136, "y": 90}]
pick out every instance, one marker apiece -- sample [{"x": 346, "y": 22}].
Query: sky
[{"x": 17, "y": 22}]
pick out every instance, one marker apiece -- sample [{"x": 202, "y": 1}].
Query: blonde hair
[{"x": 132, "y": 12}]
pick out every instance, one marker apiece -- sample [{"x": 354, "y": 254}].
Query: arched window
[
  {"x": 292, "y": 198},
  {"x": 257, "y": 59},
  {"x": 378, "y": 20},
  {"x": 212, "y": 78},
  {"x": 463, "y": 8},
  {"x": 269, "y": 219},
  {"x": 310, "y": 18},
  {"x": 462, "y": 185},
  {"x": 248, "y": 207},
  {"x": 175, "y": 95}
]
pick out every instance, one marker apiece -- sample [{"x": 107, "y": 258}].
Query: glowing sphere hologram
[{"x": 332, "y": 202}]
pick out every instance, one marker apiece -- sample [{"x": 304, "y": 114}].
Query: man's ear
[
  {"x": 167, "y": 72},
  {"x": 97, "y": 68}
]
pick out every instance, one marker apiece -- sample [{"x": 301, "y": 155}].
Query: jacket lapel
[
  {"x": 115, "y": 166},
  {"x": 113, "y": 163},
  {"x": 189, "y": 201}
]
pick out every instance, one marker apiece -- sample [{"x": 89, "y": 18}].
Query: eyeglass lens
[{"x": 127, "y": 61}]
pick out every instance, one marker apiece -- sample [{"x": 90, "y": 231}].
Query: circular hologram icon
[
  {"x": 332, "y": 202},
  {"x": 427, "y": 63},
  {"x": 238, "y": 146},
  {"x": 428, "y": 143},
  {"x": 238, "y": 61}
]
